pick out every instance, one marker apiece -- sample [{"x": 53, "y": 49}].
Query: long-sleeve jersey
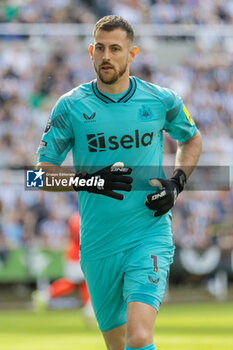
[{"x": 100, "y": 130}]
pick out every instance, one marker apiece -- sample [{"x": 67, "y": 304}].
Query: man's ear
[
  {"x": 133, "y": 53},
  {"x": 91, "y": 50}
]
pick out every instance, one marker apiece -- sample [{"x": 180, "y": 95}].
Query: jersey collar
[{"x": 130, "y": 92}]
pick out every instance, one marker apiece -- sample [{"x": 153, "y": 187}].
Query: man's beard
[{"x": 114, "y": 77}]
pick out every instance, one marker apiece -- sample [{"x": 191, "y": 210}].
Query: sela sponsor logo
[
  {"x": 35, "y": 178},
  {"x": 89, "y": 119},
  {"x": 100, "y": 143}
]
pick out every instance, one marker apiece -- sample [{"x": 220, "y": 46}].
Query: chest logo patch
[
  {"x": 89, "y": 118},
  {"x": 145, "y": 113}
]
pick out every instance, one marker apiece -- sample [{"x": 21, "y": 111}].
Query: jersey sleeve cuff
[
  {"x": 49, "y": 160},
  {"x": 188, "y": 136}
]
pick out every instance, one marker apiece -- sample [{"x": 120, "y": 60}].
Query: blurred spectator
[
  {"x": 134, "y": 11},
  {"x": 12, "y": 228},
  {"x": 43, "y": 11},
  {"x": 52, "y": 232},
  {"x": 138, "y": 11}
]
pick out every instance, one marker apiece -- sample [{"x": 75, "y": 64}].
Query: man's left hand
[{"x": 163, "y": 200}]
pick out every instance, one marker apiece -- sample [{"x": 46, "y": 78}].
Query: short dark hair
[{"x": 109, "y": 23}]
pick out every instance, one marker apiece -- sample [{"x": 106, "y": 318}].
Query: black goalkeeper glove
[
  {"x": 163, "y": 200},
  {"x": 114, "y": 177}
]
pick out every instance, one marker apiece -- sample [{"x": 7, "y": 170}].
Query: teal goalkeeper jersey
[{"x": 101, "y": 131}]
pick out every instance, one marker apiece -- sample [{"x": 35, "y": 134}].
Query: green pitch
[{"x": 178, "y": 327}]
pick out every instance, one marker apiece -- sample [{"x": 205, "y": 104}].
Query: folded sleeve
[{"x": 178, "y": 122}]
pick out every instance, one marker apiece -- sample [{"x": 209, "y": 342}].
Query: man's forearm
[
  {"x": 56, "y": 178},
  {"x": 188, "y": 153}
]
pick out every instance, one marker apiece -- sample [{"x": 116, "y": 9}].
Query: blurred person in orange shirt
[{"x": 73, "y": 275}]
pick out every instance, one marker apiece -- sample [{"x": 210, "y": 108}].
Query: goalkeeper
[{"x": 114, "y": 126}]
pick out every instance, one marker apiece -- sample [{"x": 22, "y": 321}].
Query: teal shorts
[{"x": 137, "y": 274}]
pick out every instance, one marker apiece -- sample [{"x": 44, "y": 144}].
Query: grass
[{"x": 178, "y": 327}]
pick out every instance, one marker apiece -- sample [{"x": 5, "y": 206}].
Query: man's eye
[
  {"x": 115, "y": 49},
  {"x": 99, "y": 48}
]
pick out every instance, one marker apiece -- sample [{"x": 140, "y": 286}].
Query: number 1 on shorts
[{"x": 155, "y": 263}]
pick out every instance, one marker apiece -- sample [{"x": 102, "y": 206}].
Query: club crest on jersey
[
  {"x": 89, "y": 118},
  {"x": 145, "y": 113}
]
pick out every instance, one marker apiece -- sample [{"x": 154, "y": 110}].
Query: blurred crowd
[
  {"x": 137, "y": 11},
  {"x": 34, "y": 72}
]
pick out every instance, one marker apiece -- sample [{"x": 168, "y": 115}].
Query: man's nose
[{"x": 106, "y": 55}]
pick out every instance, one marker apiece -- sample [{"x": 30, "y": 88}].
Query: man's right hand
[{"x": 114, "y": 177}]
